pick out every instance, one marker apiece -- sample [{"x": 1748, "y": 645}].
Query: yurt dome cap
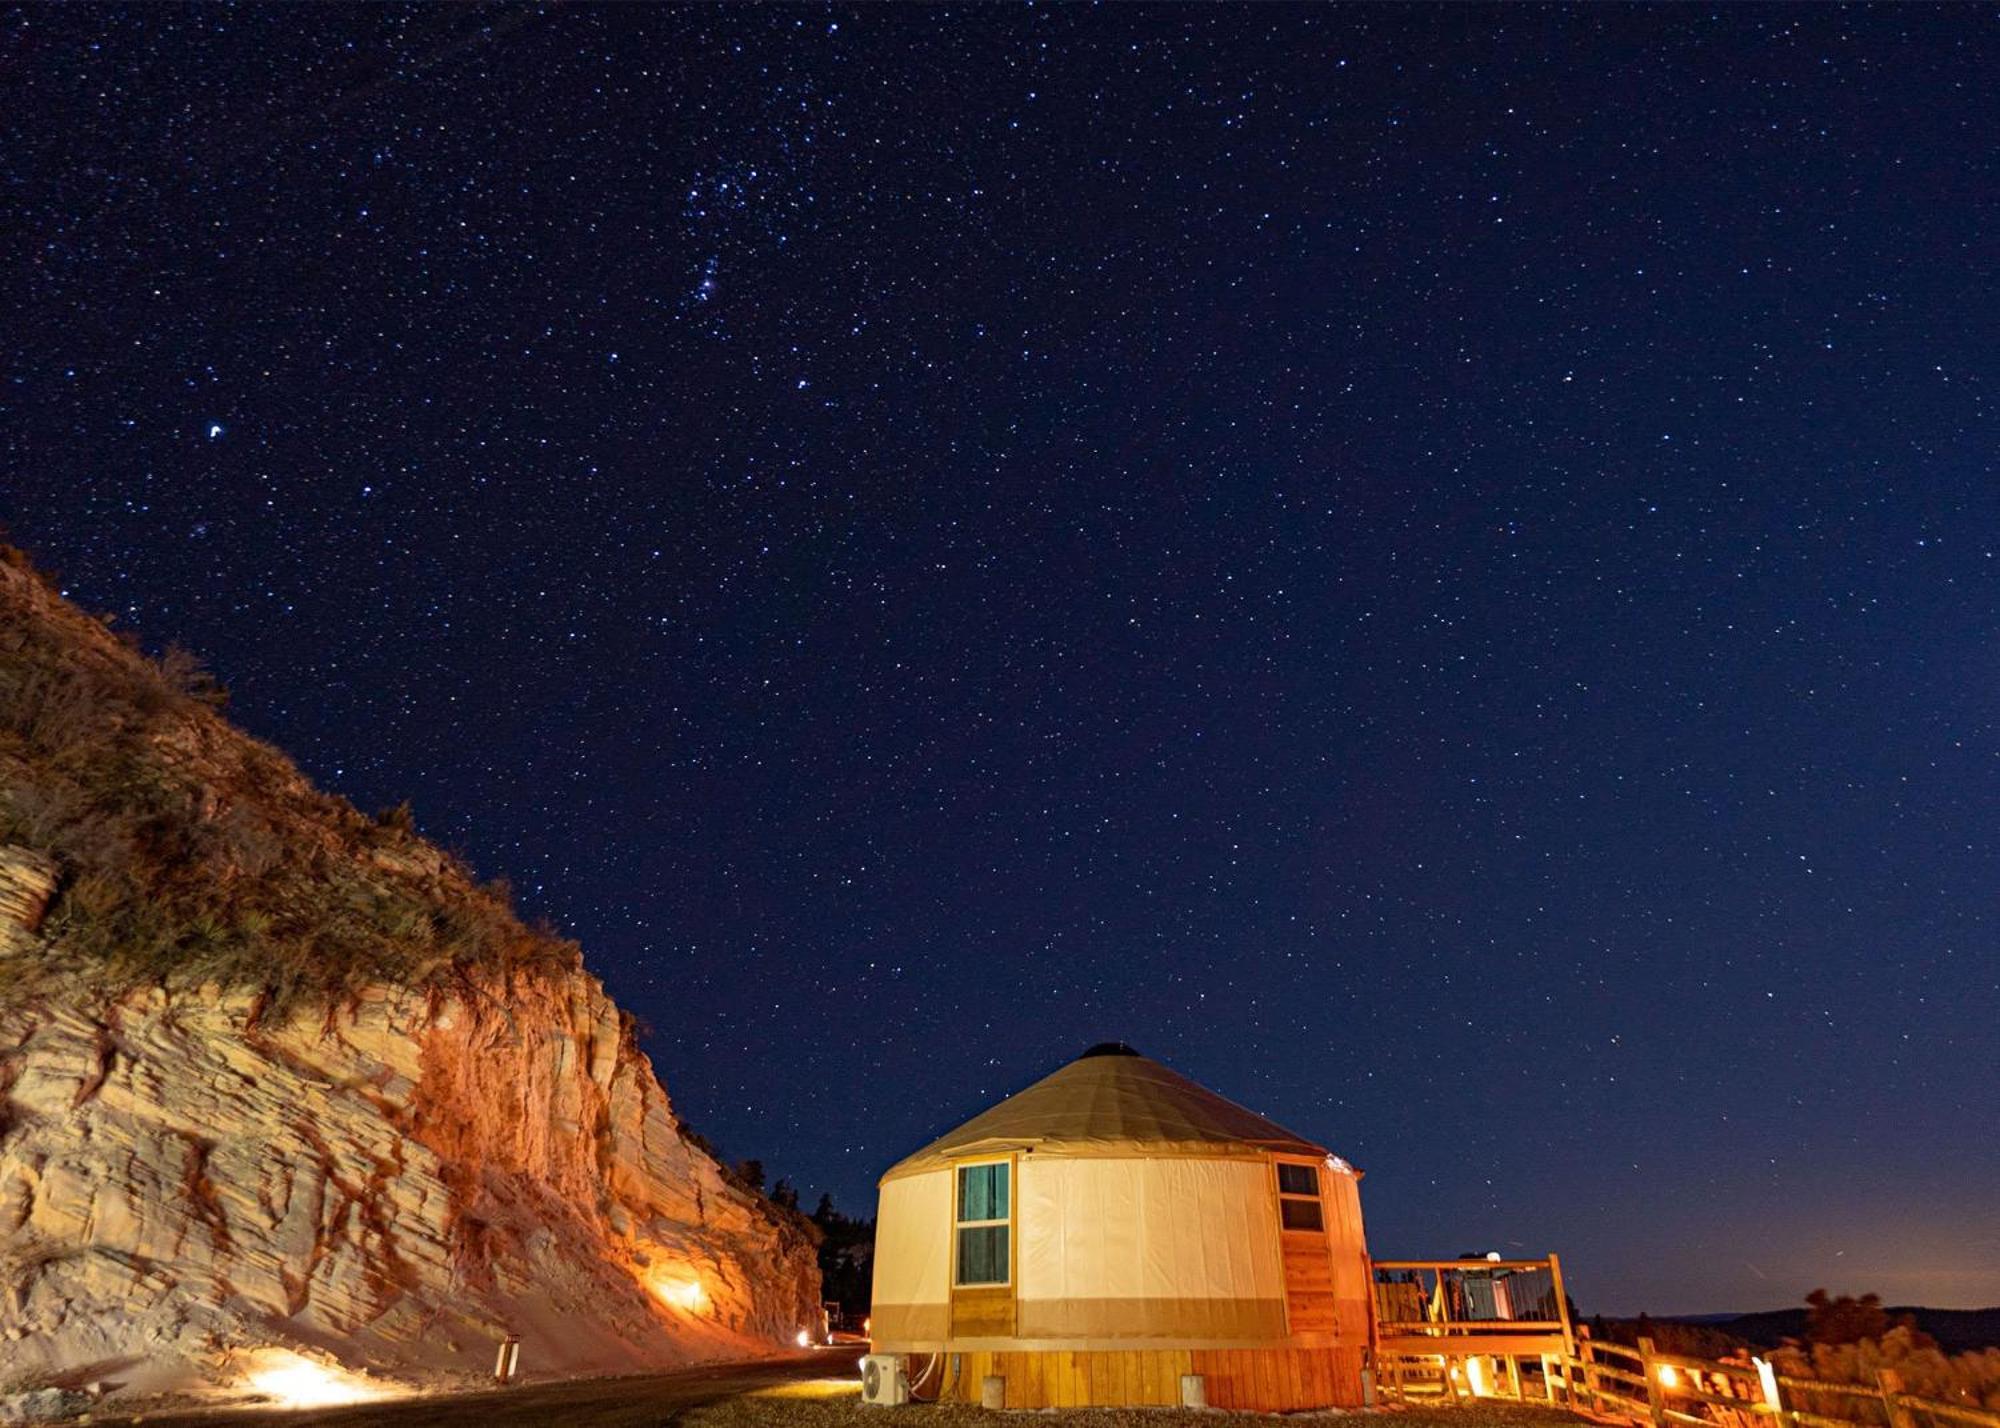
[{"x": 1111, "y": 1101}]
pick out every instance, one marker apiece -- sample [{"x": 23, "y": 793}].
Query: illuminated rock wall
[{"x": 399, "y": 1184}]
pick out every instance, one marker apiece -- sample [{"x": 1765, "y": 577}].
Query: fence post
[
  {"x": 1548, "y": 1380},
  {"x": 1895, "y": 1412},
  {"x": 1562, "y": 1304},
  {"x": 507, "y": 1362},
  {"x": 1656, "y": 1398},
  {"x": 1589, "y": 1372},
  {"x": 1767, "y": 1379}
]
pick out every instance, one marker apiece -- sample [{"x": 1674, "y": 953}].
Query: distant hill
[{"x": 1956, "y": 1330}]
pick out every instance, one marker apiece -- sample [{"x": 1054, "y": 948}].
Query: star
[{"x": 1184, "y": 593}]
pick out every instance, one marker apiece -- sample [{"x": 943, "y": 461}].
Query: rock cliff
[{"x": 276, "y": 1074}]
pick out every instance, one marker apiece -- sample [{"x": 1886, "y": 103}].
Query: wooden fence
[{"x": 1646, "y": 1387}]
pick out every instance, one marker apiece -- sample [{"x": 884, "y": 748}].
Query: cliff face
[
  {"x": 400, "y": 1183},
  {"x": 391, "y": 1128}
]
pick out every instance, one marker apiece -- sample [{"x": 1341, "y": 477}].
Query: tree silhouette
[{"x": 1847, "y": 1320}]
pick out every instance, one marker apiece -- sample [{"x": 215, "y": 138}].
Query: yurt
[{"x": 1113, "y": 1229}]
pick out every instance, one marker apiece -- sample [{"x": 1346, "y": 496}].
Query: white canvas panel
[
  {"x": 1175, "y": 1228},
  {"x": 913, "y": 1240}
]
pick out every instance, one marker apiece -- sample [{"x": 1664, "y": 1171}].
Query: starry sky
[{"x": 1432, "y": 568}]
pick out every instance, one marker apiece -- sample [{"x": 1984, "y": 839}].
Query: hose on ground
[{"x": 921, "y": 1379}]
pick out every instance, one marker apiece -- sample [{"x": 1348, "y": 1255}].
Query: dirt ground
[
  {"x": 816, "y": 1406},
  {"x": 801, "y": 1391}
]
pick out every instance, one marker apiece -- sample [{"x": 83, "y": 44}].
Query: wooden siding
[
  {"x": 1260, "y": 1380},
  {"x": 983, "y": 1313},
  {"x": 1281, "y": 1380},
  {"x": 1309, "y": 1299},
  {"x": 1308, "y": 1260}
]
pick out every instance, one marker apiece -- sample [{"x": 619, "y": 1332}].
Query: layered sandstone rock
[
  {"x": 397, "y": 1175},
  {"x": 27, "y": 881},
  {"x": 401, "y": 1183}
]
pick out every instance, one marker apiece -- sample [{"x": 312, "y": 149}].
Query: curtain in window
[
  {"x": 982, "y": 1255},
  {"x": 982, "y": 1192}
]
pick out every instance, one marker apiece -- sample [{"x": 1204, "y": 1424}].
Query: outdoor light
[
  {"x": 805, "y": 1339},
  {"x": 295, "y": 1381},
  {"x": 682, "y": 1293},
  {"x": 1670, "y": 1377}
]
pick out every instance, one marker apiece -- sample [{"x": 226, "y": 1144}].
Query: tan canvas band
[
  {"x": 893, "y": 1326},
  {"x": 1193, "y": 1320}
]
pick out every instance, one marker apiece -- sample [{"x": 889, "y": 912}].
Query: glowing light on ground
[
  {"x": 295, "y": 1381},
  {"x": 813, "y": 1388}
]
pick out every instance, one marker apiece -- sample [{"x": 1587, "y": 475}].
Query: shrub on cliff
[{"x": 189, "y": 852}]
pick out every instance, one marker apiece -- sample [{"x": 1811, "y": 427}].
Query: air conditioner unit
[{"x": 883, "y": 1381}]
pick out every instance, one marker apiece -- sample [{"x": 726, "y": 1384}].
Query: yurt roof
[{"x": 1111, "y": 1101}]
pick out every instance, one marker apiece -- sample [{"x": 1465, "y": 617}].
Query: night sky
[{"x": 1433, "y": 569}]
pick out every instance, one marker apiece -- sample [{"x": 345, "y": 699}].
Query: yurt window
[
  {"x": 1298, "y": 1197},
  {"x": 982, "y": 1223}
]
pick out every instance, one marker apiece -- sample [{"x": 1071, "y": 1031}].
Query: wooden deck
[{"x": 1465, "y": 1326}]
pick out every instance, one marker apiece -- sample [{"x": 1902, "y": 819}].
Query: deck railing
[
  {"x": 1645, "y": 1387},
  {"x": 1437, "y": 1298}
]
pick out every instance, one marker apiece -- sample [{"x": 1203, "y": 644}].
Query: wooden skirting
[{"x": 1260, "y": 1380}]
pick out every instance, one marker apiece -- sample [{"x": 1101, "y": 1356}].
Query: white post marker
[
  {"x": 1767, "y": 1380},
  {"x": 507, "y": 1362}
]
